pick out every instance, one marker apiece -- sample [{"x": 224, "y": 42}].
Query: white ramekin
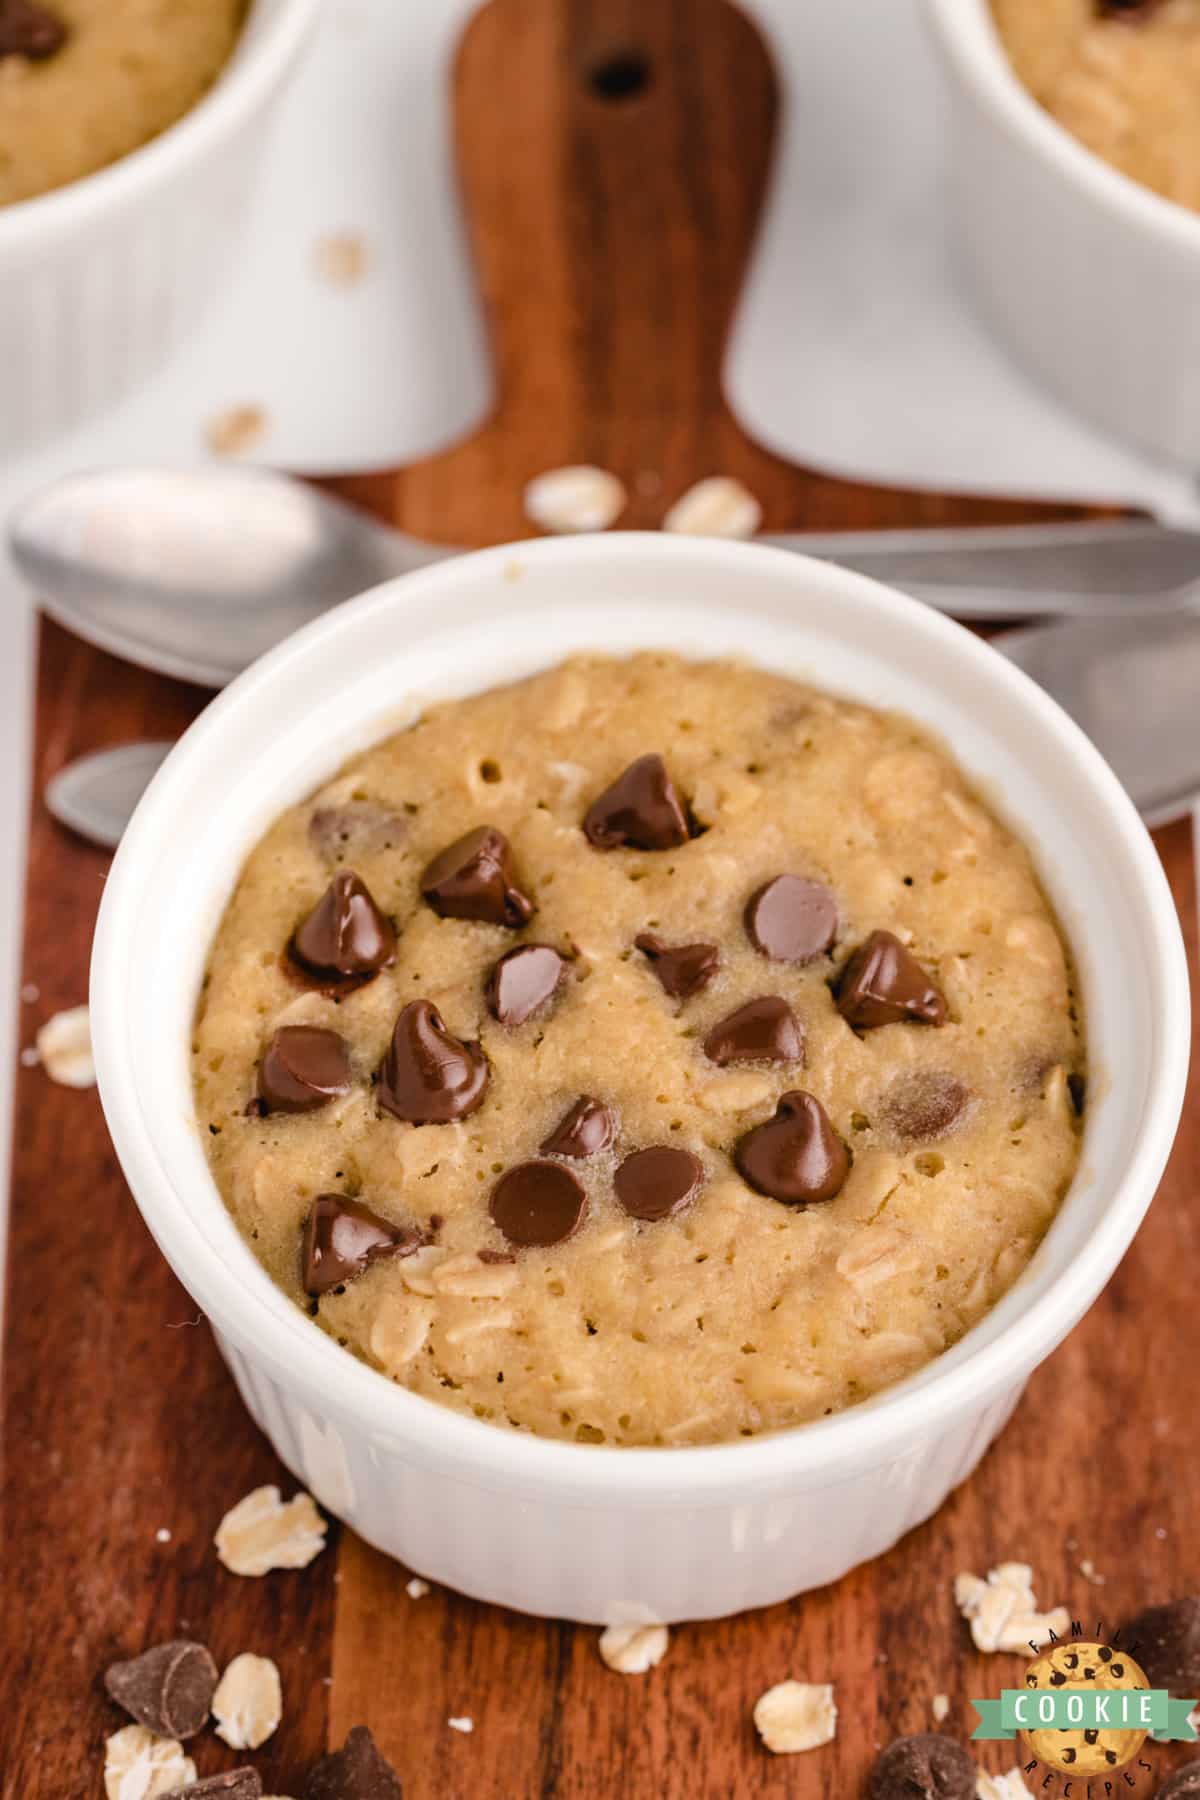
[
  {"x": 573, "y": 1530},
  {"x": 1091, "y": 279},
  {"x": 101, "y": 279}
]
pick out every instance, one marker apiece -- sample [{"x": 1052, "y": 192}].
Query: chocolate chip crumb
[
  {"x": 29, "y": 31},
  {"x": 682, "y": 969},
  {"x": 429, "y": 1076},
  {"x": 1183, "y": 1784},
  {"x": 355, "y": 1772},
  {"x": 924, "y": 1767},
  {"x": 235, "y": 1784},
  {"x": 1166, "y": 1642},
  {"x": 791, "y": 920},
  {"x": 167, "y": 1689},
  {"x": 641, "y": 809},
  {"x": 884, "y": 984}
]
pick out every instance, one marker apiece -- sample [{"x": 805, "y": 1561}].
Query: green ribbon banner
[{"x": 1084, "y": 1709}]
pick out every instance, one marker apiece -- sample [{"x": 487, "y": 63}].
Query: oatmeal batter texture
[
  {"x": 649, "y": 1053},
  {"x": 84, "y": 82},
  {"x": 1123, "y": 76}
]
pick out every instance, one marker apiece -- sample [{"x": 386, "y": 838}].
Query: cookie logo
[{"x": 1093, "y": 1749}]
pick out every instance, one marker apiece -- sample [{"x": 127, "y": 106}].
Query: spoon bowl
[{"x": 195, "y": 573}]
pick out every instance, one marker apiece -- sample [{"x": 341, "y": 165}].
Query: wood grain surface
[{"x": 611, "y": 236}]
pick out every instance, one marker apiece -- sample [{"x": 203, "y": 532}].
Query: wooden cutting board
[{"x": 613, "y": 154}]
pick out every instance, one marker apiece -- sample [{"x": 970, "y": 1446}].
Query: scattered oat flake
[
  {"x": 718, "y": 506},
  {"x": 31, "y": 992},
  {"x": 264, "y": 1532},
  {"x": 1087, "y": 1569},
  {"x": 463, "y": 1724},
  {"x": 634, "y": 1649},
  {"x": 1003, "y": 1610},
  {"x": 162, "y": 1535},
  {"x": 248, "y": 1703},
  {"x": 138, "y": 1765},
  {"x": 235, "y": 430},
  {"x": 417, "y": 1589},
  {"x": 577, "y": 498},
  {"x": 29, "y": 1057},
  {"x": 1001, "y": 1787},
  {"x": 64, "y": 1048},
  {"x": 796, "y": 1715},
  {"x": 342, "y": 258},
  {"x": 940, "y": 1708}
]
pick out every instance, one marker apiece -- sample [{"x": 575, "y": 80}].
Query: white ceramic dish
[
  {"x": 1091, "y": 279},
  {"x": 565, "y": 1529},
  {"x": 101, "y": 279}
]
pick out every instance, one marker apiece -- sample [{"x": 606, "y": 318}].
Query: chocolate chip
[
  {"x": 342, "y": 1237},
  {"x": 657, "y": 1183},
  {"x": 640, "y": 809},
  {"x": 797, "y": 1156},
  {"x": 883, "y": 984},
  {"x": 355, "y": 828},
  {"x": 355, "y": 1772},
  {"x": 235, "y": 1784},
  {"x": 925, "y": 1767},
  {"x": 587, "y": 1129},
  {"x": 538, "y": 1203},
  {"x": 925, "y": 1105},
  {"x": 303, "y": 1067},
  {"x": 764, "y": 1030},
  {"x": 429, "y": 1076},
  {"x": 1166, "y": 1641},
  {"x": 474, "y": 878},
  {"x": 1125, "y": 9},
  {"x": 682, "y": 969},
  {"x": 167, "y": 1689},
  {"x": 1183, "y": 1784},
  {"x": 523, "y": 980},
  {"x": 345, "y": 935},
  {"x": 791, "y": 919},
  {"x": 29, "y": 30}
]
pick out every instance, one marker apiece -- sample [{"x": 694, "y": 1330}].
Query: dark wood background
[{"x": 611, "y": 237}]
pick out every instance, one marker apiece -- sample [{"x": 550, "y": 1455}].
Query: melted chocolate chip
[
  {"x": 522, "y": 981},
  {"x": 1166, "y": 1642},
  {"x": 883, "y": 984},
  {"x": 345, "y": 936},
  {"x": 657, "y": 1183},
  {"x": 791, "y": 919},
  {"x": 235, "y": 1784},
  {"x": 1184, "y": 1784},
  {"x": 797, "y": 1156},
  {"x": 168, "y": 1689},
  {"x": 587, "y": 1129},
  {"x": 355, "y": 828},
  {"x": 474, "y": 878},
  {"x": 303, "y": 1067},
  {"x": 925, "y": 1105},
  {"x": 355, "y": 1772},
  {"x": 764, "y": 1030},
  {"x": 925, "y": 1767},
  {"x": 30, "y": 31},
  {"x": 641, "y": 809},
  {"x": 538, "y": 1203},
  {"x": 682, "y": 969},
  {"x": 429, "y": 1076},
  {"x": 342, "y": 1237}
]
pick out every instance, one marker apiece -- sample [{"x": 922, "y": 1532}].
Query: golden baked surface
[
  {"x": 1124, "y": 80},
  {"x": 740, "y": 1312},
  {"x": 127, "y": 70}
]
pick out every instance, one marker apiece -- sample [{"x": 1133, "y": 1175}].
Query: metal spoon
[
  {"x": 195, "y": 573},
  {"x": 1131, "y": 684}
]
